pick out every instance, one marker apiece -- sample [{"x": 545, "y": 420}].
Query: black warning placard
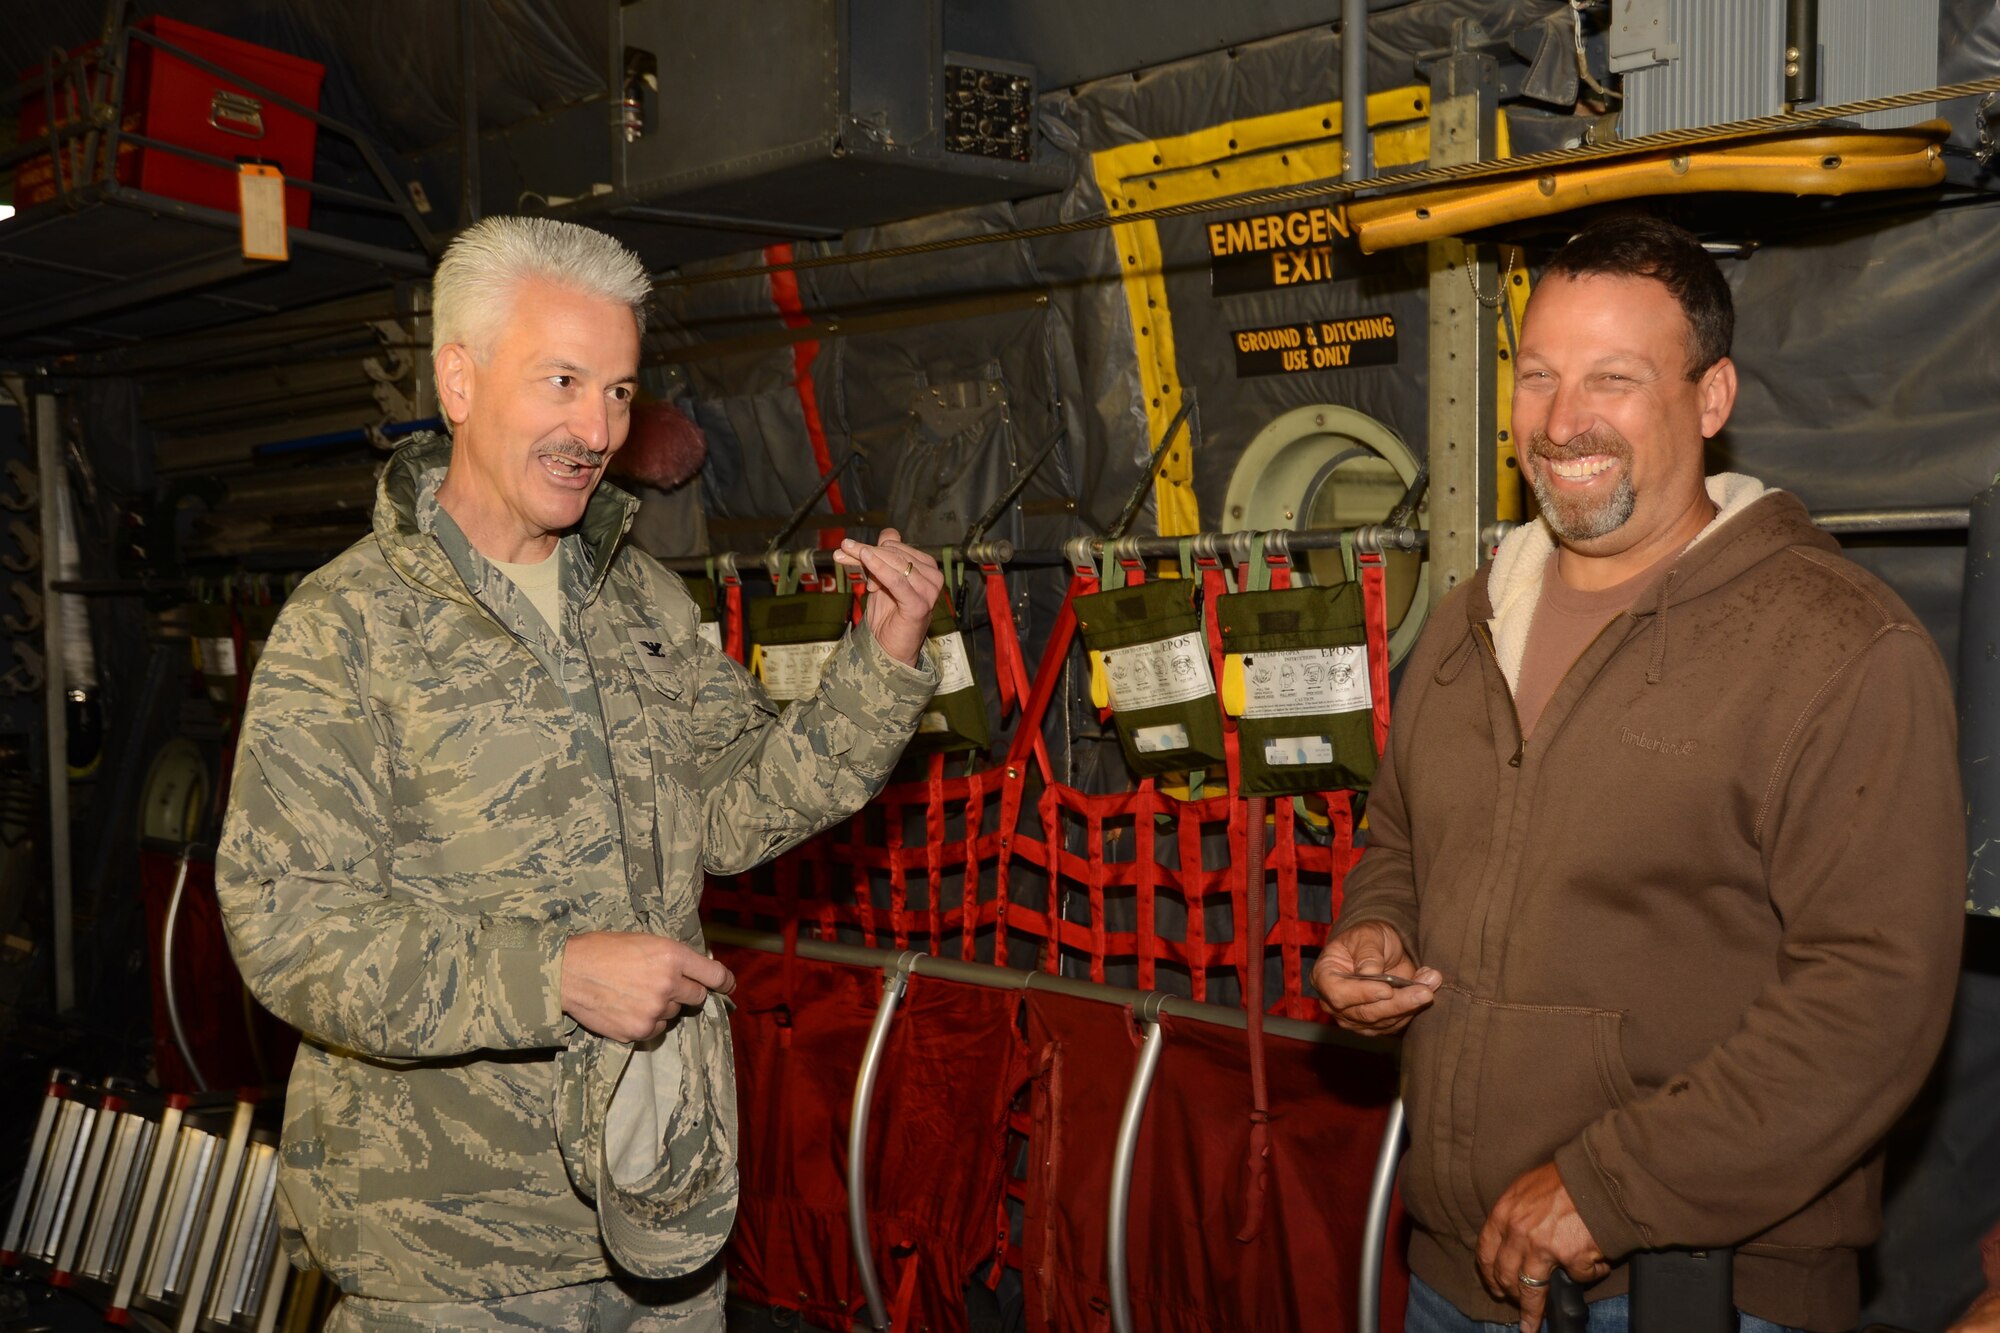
[
  {"x": 1276, "y": 251},
  {"x": 1321, "y": 344}
]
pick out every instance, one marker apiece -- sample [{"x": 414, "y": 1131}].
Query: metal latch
[{"x": 236, "y": 113}]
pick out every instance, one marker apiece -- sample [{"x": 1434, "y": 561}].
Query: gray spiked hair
[{"x": 481, "y": 268}]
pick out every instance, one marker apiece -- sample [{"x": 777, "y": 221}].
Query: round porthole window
[
  {"x": 1326, "y": 466},
  {"x": 174, "y": 801}
]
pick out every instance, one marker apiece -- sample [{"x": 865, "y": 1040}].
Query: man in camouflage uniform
[{"x": 487, "y": 759}]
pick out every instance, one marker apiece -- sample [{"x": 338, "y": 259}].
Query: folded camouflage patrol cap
[{"x": 649, "y": 1133}]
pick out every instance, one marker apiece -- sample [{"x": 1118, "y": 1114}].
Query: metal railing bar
[
  {"x": 1367, "y": 537},
  {"x": 1375, "y": 1224},
  {"x": 998, "y": 552},
  {"x": 1007, "y": 978},
  {"x": 167, "y": 970},
  {"x": 895, "y": 981},
  {"x": 1917, "y": 518},
  {"x": 1233, "y": 545},
  {"x": 1118, "y": 1211}
]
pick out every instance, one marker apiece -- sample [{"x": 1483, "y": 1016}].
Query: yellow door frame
[{"x": 1261, "y": 152}]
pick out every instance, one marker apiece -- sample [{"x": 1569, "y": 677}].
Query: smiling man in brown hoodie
[{"x": 1669, "y": 835}]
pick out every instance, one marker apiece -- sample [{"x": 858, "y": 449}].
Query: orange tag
[{"x": 260, "y": 193}]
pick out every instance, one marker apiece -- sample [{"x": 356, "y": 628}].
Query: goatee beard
[{"x": 1575, "y": 518}]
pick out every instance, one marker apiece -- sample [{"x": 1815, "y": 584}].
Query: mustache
[
  {"x": 574, "y": 450},
  {"x": 1598, "y": 439}
]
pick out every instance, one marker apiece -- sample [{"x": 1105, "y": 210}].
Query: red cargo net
[{"x": 985, "y": 866}]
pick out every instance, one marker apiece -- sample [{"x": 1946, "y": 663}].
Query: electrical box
[
  {"x": 816, "y": 113},
  {"x": 1690, "y": 63}
]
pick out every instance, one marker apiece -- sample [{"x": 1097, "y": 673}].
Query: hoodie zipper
[{"x": 1485, "y": 636}]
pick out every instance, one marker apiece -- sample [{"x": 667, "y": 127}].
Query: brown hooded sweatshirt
[{"x": 1699, "y": 934}]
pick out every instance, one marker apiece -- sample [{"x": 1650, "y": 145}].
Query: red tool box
[{"x": 173, "y": 101}]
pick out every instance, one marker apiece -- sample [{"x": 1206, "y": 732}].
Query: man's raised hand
[{"x": 903, "y": 586}]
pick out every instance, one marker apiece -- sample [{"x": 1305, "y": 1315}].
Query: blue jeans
[{"x": 1432, "y": 1313}]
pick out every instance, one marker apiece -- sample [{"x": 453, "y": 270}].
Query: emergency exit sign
[{"x": 1276, "y": 251}]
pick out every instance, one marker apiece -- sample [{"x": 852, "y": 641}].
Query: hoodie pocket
[{"x": 1542, "y": 1074}]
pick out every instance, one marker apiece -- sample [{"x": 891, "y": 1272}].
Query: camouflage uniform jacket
[{"x": 418, "y": 824}]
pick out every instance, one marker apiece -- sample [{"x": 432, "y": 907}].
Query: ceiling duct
[{"x": 806, "y": 119}]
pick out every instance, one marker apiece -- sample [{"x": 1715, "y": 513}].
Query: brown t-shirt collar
[{"x": 1566, "y": 621}]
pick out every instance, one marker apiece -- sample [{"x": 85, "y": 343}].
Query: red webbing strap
[
  {"x": 1257, "y": 1177},
  {"x": 1010, "y": 664},
  {"x": 934, "y": 851},
  {"x": 1094, "y": 877},
  {"x": 1375, "y": 614},
  {"x": 858, "y": 588},
  {"x": 732, "y": 630},
  {"x": 1283, "y": 860},
  {"x": 1049, "y": 674},
  {"x": 906, "y": 1297},
  {"x": 1011, "y": 789},
  {"x": 1193, "y": 891},
  {"x": 899, "y": 883},
  {"x": 785, "y": 295},
  {"x": 1028, "y": 740},
  {"x": 1048, "y": 805},
  {"x": 968, "y": 912},
  {"x": 1256, "y": 941},
  {"x": 1146, "y": 882}
]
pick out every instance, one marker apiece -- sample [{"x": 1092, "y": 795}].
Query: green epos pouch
[
  {"x": 1295, "y": 674},
  {"x": 791, "y": 635},
  {"x": 955, "y": 721},
  {"x": 1155, "y": 667}
]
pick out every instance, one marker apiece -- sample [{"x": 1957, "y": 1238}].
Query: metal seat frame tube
[
  {"x": 61, "y": 1088},
  {"x": 145, "y": 1216},
  {"x": 167, "y": 969},
  {"x": 895, "y": 981},
  {"x": 1117, "y": 1219},
  {"x": 1375, "y": 1227}
]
